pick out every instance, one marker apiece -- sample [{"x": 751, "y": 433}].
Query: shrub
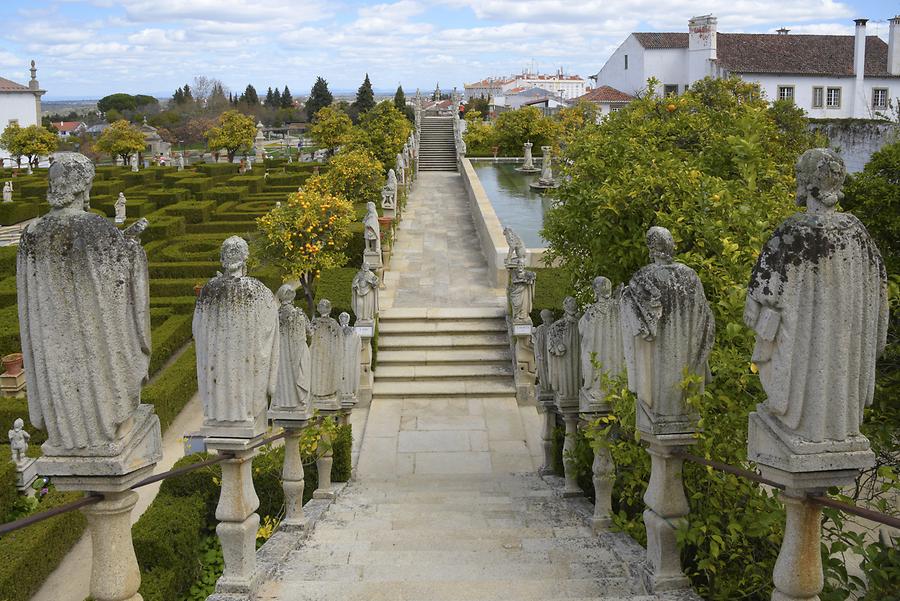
[
  {"x": 8, "y": 294},
  {"x": 253, "y": 183},
  {"x": 222, "y": 194},
  {"x": 174, "y": 388},
  {"x": 34, "y": 191},
  {"x": 8, "y": 493},
  {"x": 169, "y": 196},
  {"x": 551, "y": 287},
  {"x": 9, "y": 330},
  {"x": 8, "y": 260},
  {"x": 138, "y": 178},
  {"x": 173, "y": 334},
  {"x": 214, "y": 169},
  {"x": 162, "y": 227},
  {"x": 195, "y": 184},
  {"x": 199, "y": 270},
  {"x": 12, "y": 213},
  {"x": 335, "y": 284},
  {"x": 107, "y": 187},
  {"x": 12, "y": 409},
  {"x": 193, "y": 211}
]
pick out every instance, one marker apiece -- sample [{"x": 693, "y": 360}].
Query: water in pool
[{"x": 517, "y": 206}]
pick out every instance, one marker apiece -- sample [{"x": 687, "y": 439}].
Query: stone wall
[{"x": 857, "y": 140}]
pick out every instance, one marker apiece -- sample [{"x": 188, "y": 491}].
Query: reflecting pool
[{"x": 516, "y": 204}]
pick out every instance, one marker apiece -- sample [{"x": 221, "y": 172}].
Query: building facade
[
  {"x": 559, "y": 84},
  {"x": 828, "y": 76},
  {"x": 20, "y": 103}
]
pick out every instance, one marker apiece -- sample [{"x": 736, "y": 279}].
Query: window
[
  {"x": 626, "y": 62},
  {"x": 818, "y": 97},
  {"x": 879, "y": 98},
  {"x": 786, "y": 93},
  {"x": 833, "y": 98},
  {"x": 670, "y": 89}
]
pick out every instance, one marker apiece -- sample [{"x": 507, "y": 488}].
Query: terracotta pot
[
  {"x": 12, "y": 364},
  {"x": 197, "y": 289},
  {"x": 385, "y": 222}
]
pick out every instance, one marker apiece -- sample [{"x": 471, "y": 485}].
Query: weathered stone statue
[
  {"x": 564, "y": 353},
  {"x": 401, "y": 169},
  {"x": 364, "y": 299},
  {"x": 529, "y": 160},
  {"x": 601, "y": 345},
  {"x": 18, "y": 441},
  {"x": 181, "y": 162},
  {"x": 521, "y": 294},
  {"x": 326, "y": 349},
  {"x": 237, "y": 339},
  {"x": 87, "y": 402},
  {"x": 546, "y": 166},
  {"x": 517, "y": 253},
  {"x": 120, "y": 208},
  {"x": 544, "y": 390},
  {"x": 350, "y": 362},
  {"x": 372, "y": 230},
  {"x": 7, "y": 191},
  {"x": 667, "y": 328},
  {"x": 389, "y": 192},
  {"x": 292, "y": 392},
  {"x": 134, "y": 162}
]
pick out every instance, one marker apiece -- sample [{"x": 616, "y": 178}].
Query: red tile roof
[
  {"x": 787, "y": 54},
  {"x": 606, "y": 94},
  {"x": 10, "y": 86},
  {"x": 67, "y": 126}
]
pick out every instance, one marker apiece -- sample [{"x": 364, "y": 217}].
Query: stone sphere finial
[
  {"x": 286, "y": 294},
  {"x": 70, "y": 177},
  {"x": 820, "y": 175},
  {"x": 234, "y": 254},
  {"x": 660, "y": 243}
]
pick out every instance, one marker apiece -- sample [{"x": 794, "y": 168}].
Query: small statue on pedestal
[
  {"x": 120, "y": 208},
  {"x": 292, "y": 392},
  {"x": 364, "y": 299},
  {"x": 326, "y": 350},
  {"x": 350, "y": 362},
  {"x": 18, "y": 442}
]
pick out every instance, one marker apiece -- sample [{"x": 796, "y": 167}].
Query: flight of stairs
[
  {"x": 437, "y": 147},
  {"x": 457, "y": 352}
]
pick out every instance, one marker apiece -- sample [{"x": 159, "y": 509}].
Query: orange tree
[
  {"x": 306, "y": 234},
  {"x": 354, "y": 174},
  {"x": 234, "y": 131}
]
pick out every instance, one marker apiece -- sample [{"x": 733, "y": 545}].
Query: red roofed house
[
  {"x": 607, "y": 99},
  {"x": 69, "y": 128},
  {"x": 562, "y": 85},
  {"x": 20, "y": 103},
  {"x": 833, "y": 76}
]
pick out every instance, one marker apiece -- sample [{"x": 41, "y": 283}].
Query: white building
[
  {"x": 829, "y": 76},
  {"x": 20, "y": 104},
  {"x": 564, "y": 86},
  {"x": 519, "y": 97},
  {"x": 607, "y": 99}
]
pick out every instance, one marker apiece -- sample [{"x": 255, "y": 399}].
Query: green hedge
[
  {"x": 111, "y": 187},
  {"x": 12, "y": 213},
  {"x": 192, "y": 211},
  {"x": 181, "y": 305},
  {"x": 8, "y": 260},
  {"x": 195, "y": 247},
  {"x": 174, "y": 388},
  {"x": 357, "y": 246},
  {"x": 162, "y": 226},
  {"x": 334, "y": 284},
  {"x": 159, "y": 315},
  {"x": 8, "y": 493},
  {"x": 198, "y": 270},
  {"x": 34, "y": 190},
  {"x": 137, "y": 178},
  {"x": 218, "y": 168},
  {"x": 222, "y": 194},
  {"x": 9, "y": 330},
  {"x": 240, "y": 228},
  {"x": 550, "y": 288},
  {"x": 169, "y": 287},
  {"x": 29, "y": 555},
  {"x": 8, "y": 294},
  {"x": 253, "y": 183},
  {"x": 195, "y": 184},
  {"x": 169, "y": 196},
  {"x": 173, "y": 334},
  {"x": 11, "y": 409}
]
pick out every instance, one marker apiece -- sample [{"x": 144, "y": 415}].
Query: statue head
[
  {"x": 820, "y": 176},
  {"x": 366, "y": 266},
  {"x": 344, "y": 319},
  {"x": 324, "y": 307},
  {"x": 18, "y": 424},
  {"x": 370, "y": 206},
  {"x": 69, "y": 180},
  {"x": 286, "y": 294},
  {"x": 546, "y": 316},
  {"x": 661, "y": 244},
  {"x": 570, "y": 305},
  {"x": 234, "y": 255},
  {"x": 602, "y": 287}
]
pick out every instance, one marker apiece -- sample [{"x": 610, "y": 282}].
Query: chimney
[
  {"x": 33, "y": 84},
  {"x": 859, "y": 49},
  {"x": 701, "y": 47},
  {"x": 893, "y": 65},
  {"x": 783, "y": 31}
]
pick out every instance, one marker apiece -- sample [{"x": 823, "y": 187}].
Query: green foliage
[
  {"x": 12, "y": 213},
  {"x": 319, "y": 97},
  {"x": 513, "y": 128},
  {"x": 365, "y": 97},
  {"x": 121, "y": 139},
  {"x": 8, "y": 493},
  {"x": 384, "y": 132},
  {"x": 124, "y": 102},
  {"x": 32, "y": 141},
  {"x": 331, "y": 128},
  {"x": 168, "y": 338},
  {"x": 174, "y": 388},
  {"x": 355, "y": 175},
  {"x": 335, "y": 285},
  {"x": 233, "y": 132}
]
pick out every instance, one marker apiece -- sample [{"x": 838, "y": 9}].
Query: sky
[{"x": 89, "y": 48}]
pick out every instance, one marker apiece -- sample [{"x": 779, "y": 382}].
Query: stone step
[
  {"x": 437, "y": 326},
  {"x": 481, "y": 388},
  {"x": 453, "y": 313},
  {"x": 459, "y": 340},
  {"x": 464, "y": 372},
  {"x": 442, "y": 357}
]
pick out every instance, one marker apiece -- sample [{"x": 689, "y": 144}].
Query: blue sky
[{"x": 90, "y": 48}]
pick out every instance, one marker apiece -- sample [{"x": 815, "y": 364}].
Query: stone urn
[
  {"x": 12, "y": 364},
  {"x": 495, "y": 150},
  {"x": 386, "y": 224}
]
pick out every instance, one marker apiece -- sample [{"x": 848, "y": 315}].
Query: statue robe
[
  {"x": 818, "y": 302},
  {"x": 237, "y": 339},
  {"x": 326, "y": 350},
  {"x": 84, "y": 319},
  {"x": 563, "y": 344},
  {"x": 350, "y": 363},
  {"x": 364, "y": 299},
  {"x": 294, "y": 369},
  {"x": 372, "y": 232},
  {"x": 541, "y": 360},
  {"x": 667, "y": 327},
  {"x": 521, "y": 295},
  {"x": 601, "y": 342}
]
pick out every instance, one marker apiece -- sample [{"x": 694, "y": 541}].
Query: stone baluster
[
  {"x": 667, "y": 328},
  {"x": 293, "y": 480},
  {"x": 564, "y": 352},
  {"x": 236, "y": 331},
  {"x": 822, "y": 269}
]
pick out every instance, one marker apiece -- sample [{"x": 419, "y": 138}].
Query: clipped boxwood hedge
[
  {"x": 334, "y": 284},
  {"x": 12, "y": 213},
  {"x": 9, "y": 330},
  {"x": 162, "y": 227},
  {"x": 8, "y": 260},
  {"x": 193, "y": 211},
  {"x": 199, "y": 270},
  {"x": 253, "y": 183},
  {"x": 218, "y": 168},
  {"x": 196, "y": 184},
  {"x": 552, "y": 285},
  {"x": 222, "y": 194},
  {"x": 8, "y": 492},
  {"x": 169, "y": 196},
  {"x": 8, "y": 295},
  {"x": 11, "y": 409},
  {"x": 173, "y": 334},
  {"x": 34, "y": 190},
  {"x": 174, "y": 388}
]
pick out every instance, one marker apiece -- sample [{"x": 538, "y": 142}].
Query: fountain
[
  {"x": 528, "y": 165},
  {"x": 546, "y": 181}
]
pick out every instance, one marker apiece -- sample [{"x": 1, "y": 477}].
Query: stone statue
[
  {"x": 326, "y": 350},
  {"x": 667, "y": 328},
  {"x": 7, "y": 191},
  {"x": 181, "y": 162},
  {"x": 389, "y": 192},
  {"x": 521, "y": 293},
  {"x": 818, "y": 304},
  {"x": 546, "y": 167},
  {"x": 529, "y": 160},
  {"x": 601, "y": 344},
  {"x": 364, "y": 300},
  {"x": 517, "y": 253},
  {"x": 350, "y": 362},
  {"x": 372, "y": 229},
  {"x": 237, "y": 339},
  {"x": 87, "y": 357},
  {"x": 541, "y": 360},
  {"x": 18, "y": 442},
  {"x": 292, "y": 392},
  {"x": 120, "y": 208},
  {"x": 134, "y": 162},
  {"x": 401, "y": 169},
  {"x": 564, "y": 356}
]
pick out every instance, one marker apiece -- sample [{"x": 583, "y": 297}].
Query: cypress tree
[
  {"x": 250, "y": 95},
  {"x": 188, "y": 97},
  {"x": 319, "y": 97},
  {"x": 365, "y": 97},
  {"x": 287, "y": 101},
  {"x": 276, "y": 98},
  {"x": 400, "y": 100},
  {"x": 269, "y": 97}
]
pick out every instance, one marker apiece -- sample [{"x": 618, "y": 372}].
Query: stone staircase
[
  {"x": 437, "y": 147},
  {"x": 441, "y": 353},
  {"x": 10, "y": 234},
  {"x": 451, "y": 538}
]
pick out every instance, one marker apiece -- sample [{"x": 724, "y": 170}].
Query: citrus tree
[
  {"x": 306, "y": 234},
  {"x": 384, "y": 130},
  {"x": 331, "y": 128},
  {"x": 32, "y": 141},
  {"x": 513, "y": 128},
  {"x": 234, "y": 131},
  {"x": 573, "y": 118},
  {"x": 354, "y": 174},
  {"x": 713, "y": 166},
  {"x": 9, "y": 141},
  {"x": 121, "y": 139}
]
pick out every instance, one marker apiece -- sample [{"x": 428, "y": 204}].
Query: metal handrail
[
  {"x": 869, "y": 514},
  {"x": 96, "y": 498}
]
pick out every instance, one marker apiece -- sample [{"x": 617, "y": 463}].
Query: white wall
[
  {"x": 17, "y": 105},
  {"x": 803, "y": 86},
  {"x": 615, "y": 75},
  {"x": 669, "y": 66}
]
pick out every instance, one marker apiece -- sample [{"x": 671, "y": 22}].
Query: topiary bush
[
  {"x": 12, "y": 213},
  {"x": 192, "y": 211},
  {"x": 222, "y": 194},
  {"x": 174, "y": 388},
  {"x": 167, "y": 338},
  {"x": 169, "y": 196}
]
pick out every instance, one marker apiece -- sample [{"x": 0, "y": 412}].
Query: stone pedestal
[
  {"x": 115, "y": 575},
  {"x": 548, "y": 422},
  {"x": 375, "y": 264},
  {"x": 667, "y": 507},
  {"x": 323, "y": 465},
  {"x": 366, "y": 332},
  {"x": 523, "y": 351},
  {"x": 26, "y": 474},
  {"x": 571, "y": 488},
  {"x": 12, "y": 385},
  {"x": 236, "y": 513},
  {"x": 604, "y": 475},
  {"x": 292, "y": 477}
]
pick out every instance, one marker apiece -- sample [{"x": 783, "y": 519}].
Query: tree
[
  {"x": 365, "y": 97},
  {"x": 319, "y": 97},
  {"x": 121, "y": 139},
  {"x": 234, "y": 131},
  {"x": 269, "y": 98},
  {"x": 36, "y": 141},
  {"x": 125, "y": 103},
  {"x": 480, "y": 104},
  {"x": 276, "y": 98},
  {"x": 353, "y": 174},
  {"x": 384, "y": 131},
  {"x": 217, "y": 99},
  {"x": 188, "y": 97},
  {"x": 513, "y": 128},
  {"x": 400, "y": 99},
  {"x": 178, "y": 96},
  {"x": 9, "y": 141},
  {"x": 287, "y": 101},
  {"x": 331, "y": 128},
  {"x": 573, "y": 118},
  {"x": 250, "y": 96},
  {"x": 306, "y": 234}
]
